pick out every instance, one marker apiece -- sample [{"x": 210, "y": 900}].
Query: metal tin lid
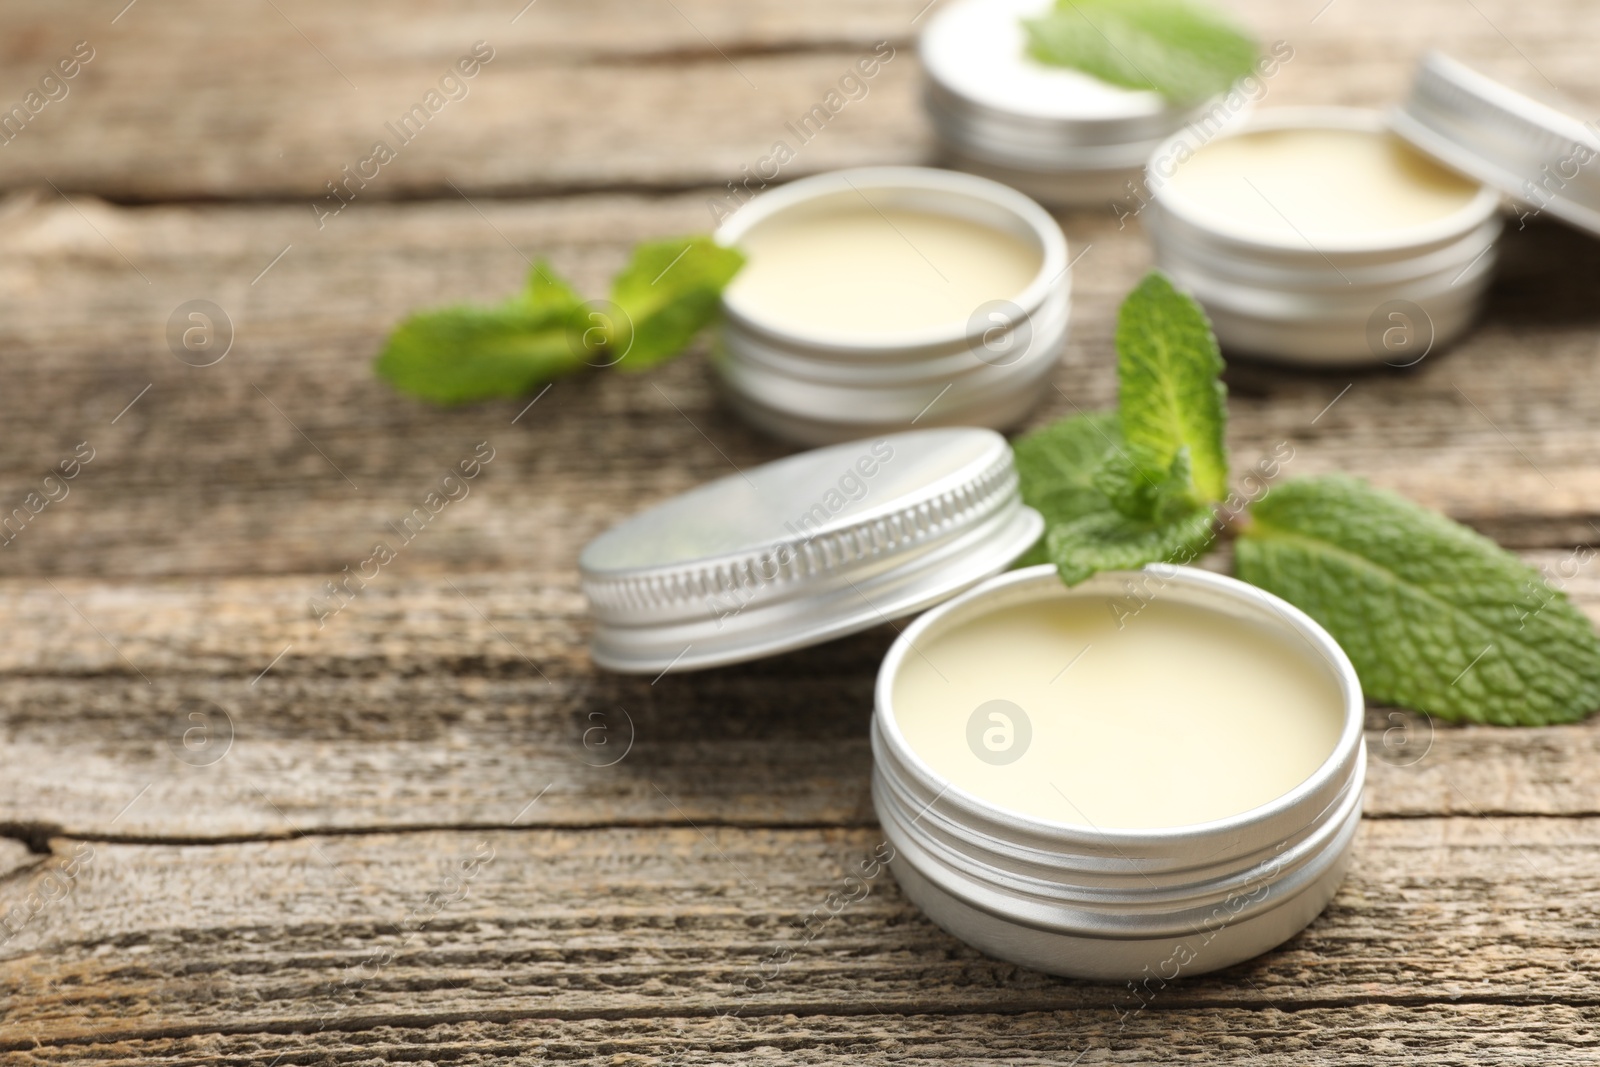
[
  {"x": 805, "y": 549},
  {"x": 1528, "y": 149}
]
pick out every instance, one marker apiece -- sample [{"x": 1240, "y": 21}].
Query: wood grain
[
  {"x": 454, "y": 701},
  {"x": 351, "y": 933},
  {"x": 1356, "y": 1035}
]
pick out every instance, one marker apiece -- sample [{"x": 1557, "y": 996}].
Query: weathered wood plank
[
  {"x": 437, "y": 701},
  {"x": 1357, "y": 1035},
  {"x": 217, "y": 470},
  {"x": 275, "y": 99},
  {"x": 357, "y": 932}
]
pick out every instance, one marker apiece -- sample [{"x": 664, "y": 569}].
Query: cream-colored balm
[
  {"x": 1068, "y": 710},
  {"x": 866, "y": 273},
  {"x": 1305, "y": 184}
]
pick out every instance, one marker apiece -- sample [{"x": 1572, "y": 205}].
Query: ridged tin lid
[
  {"x": 805, "y": 549},
  {"x": 1539, "y": 154}
]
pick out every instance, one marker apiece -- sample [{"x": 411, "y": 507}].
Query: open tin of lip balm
[
  {"x": 1159, "y": 768},
  {"x": 875, "y": 299},
  {"x": 1062, "y": 136},
  {"x": 1317, "y": 236},
  {"x": 1146, "y": 775},
  {"x": 1538, "y": 153}
]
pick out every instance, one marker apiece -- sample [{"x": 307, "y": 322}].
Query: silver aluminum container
[
  {"x": 1358, "y": 300},
  {"x": 1537, "y": 153},
  {"x": 1118, "y": 904},
  {"x": 805, "y": 549},
  {"x": 989, "y": 370},
  {"x": 1056, "y": 134}
]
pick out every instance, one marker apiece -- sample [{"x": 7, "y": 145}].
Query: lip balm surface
[
  {"x": 863, "y": 272},
  {"x": 1302, "y": 184},
  {"x": 1182, "y": 715}
]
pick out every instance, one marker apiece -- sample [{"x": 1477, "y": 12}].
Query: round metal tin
[
  {"x": 1116, "y": 904},
  {"x": 1056, "y": 134},
  {"x": 805, "y": 549},
  {"x": 1364, "y": 299},
  {"x": 1536, "y": 153},
  {"x": 989, "y": 370}
]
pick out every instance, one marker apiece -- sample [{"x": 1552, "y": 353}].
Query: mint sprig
[
  {"x": 668, "y": 292},
  {"x": 1119, "y": 490},
  {"x": 1181, "y": 50},
  {"x": 1433, "y": 615}
]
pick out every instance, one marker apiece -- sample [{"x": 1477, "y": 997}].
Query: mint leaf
[
  {"x": 1066, "y": 470},
  {"x": 1140, "y": 494},
  {"x": 1183, "y": 51},
  {"x": 1434, "y": 616},
  {"x": 1110, "y": 541},
  {"x": 1057, "y": 465},
  {"x": 1169, "y": 396},
  {"x": 667, "y": 293},
  {"x": 463, "y": 353}
]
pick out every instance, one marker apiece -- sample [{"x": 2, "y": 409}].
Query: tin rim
[
  {"x": 1035, "y": 220},
  {"x": 1326, "y": 777},
  {"x": 1459, "y": 222}
]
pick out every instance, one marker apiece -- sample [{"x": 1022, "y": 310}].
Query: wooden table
[{"x": 231, "y": 835}]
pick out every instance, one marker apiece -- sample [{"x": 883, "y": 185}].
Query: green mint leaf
[
  {"x": 1057, "y": 465},
  {"x": 1434, "y": 616},
  {"x": 1181, "y": 50},
  {"x": 459, "y": 354},
  {"x": 1110, "y": 541},
  {"x": 1169, "y": 394},
  {"x": 667, "y": 293},
  {"x": 1140, "y": 494},
  {"x": 1066, "y": 469}
]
